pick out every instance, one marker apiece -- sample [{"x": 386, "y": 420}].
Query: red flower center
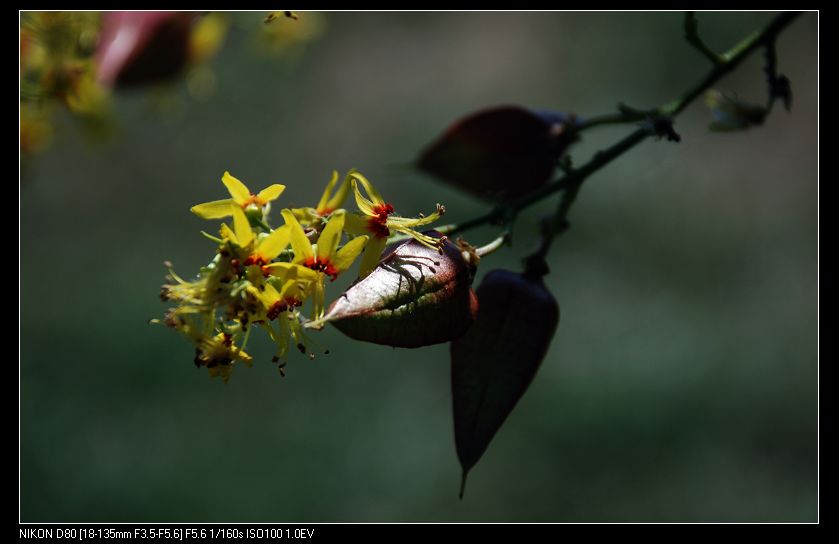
[
  {"x": 260, "y": 261},
  {"x": 282, "y": 305},
  {"x": 377, "y": 223},
  {"x": 257, "y": 260},
  {"x": 253, "y": 199},
  {"x": 315, "y": 263}
]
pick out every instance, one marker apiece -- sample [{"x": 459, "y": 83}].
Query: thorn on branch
[
  {"x": 779, "y": 84},
  {"x": 780, "y": 88}
]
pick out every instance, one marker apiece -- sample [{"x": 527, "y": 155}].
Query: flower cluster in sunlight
[
  {"x": 77, "y": 61},
  {"x": 274, "y": 278}
]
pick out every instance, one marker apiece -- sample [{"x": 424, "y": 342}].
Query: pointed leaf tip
[{"x": 462, "y": 484}]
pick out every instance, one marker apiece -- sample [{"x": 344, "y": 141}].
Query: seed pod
[
  {"x": 495, "y": 361},
  {"x": 415, "y": 297},
  {"x": 501, "y": 152}
]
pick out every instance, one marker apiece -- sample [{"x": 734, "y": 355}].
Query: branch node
[
  {"x": 692, "y": 37},
  {"x": 661, "y": 127},
  {"x": 566, "y": 164}
]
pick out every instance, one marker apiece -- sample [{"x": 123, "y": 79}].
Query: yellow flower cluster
[
  {"x": 263, "y": 276},
  {"x": 56, "y": 69}
]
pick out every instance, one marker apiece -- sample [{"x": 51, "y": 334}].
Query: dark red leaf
[
  {"x": 495, "y": 361},
  {"x": 502, "y": 152},
  {"x": 139, "y": 48}
]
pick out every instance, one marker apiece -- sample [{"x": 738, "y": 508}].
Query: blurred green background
[{"x": 682, "y": 382}]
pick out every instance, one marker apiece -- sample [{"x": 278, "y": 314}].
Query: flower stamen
[
  {"x": 377, "y": 222},
  {"x": 322, "y": 265}
]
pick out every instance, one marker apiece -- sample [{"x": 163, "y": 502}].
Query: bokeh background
[{"x": 682, "y": 382}]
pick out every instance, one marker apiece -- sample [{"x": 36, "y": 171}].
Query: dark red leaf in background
[
  {"x": 498, "y": 153},
  {"x": 139, "y": 48}
]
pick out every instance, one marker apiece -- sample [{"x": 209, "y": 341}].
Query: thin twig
[
  {"x": 574, "y": 179},
  {"x": 692, "y": 36}
]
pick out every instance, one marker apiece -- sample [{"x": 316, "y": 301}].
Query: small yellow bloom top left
[{"x": 240, "y": 197}]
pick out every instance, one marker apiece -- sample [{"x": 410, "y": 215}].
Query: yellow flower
[
  {"x": 218, "y": 354},
  {"x": 256, "y": 281},
  {"x": 323, "y": 257},
  {"x": 207, "y": 36},
  {"x": 258, "y": 250},
  {"x": 378, "y": 220},
  {"x": 328, "y": 203},
  {"x": 295, "y": 282},
  {"x": 280, "y": 305},
  {"x": 241, "y": 198}
]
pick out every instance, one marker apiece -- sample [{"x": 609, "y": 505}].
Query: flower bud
[
  {"x": 416, "y": 296},
  {"x": 495, "y": 361}
]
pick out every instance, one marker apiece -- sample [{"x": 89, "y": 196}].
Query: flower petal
[
  {"x": 292, "y": 270},
  {"x": 281, "y": 337},
  {"x": 269, "y": 295},
  {"x": 340, "y": 196},
  {"x": 306, "y": 216},
  {"x": 330, "y": 237},
  {"x": 296, "y": 288},
  {"x": 299, "y": 243},
  {"x": 227, "y": 233},
  {"x": 240, "y": 354},
  {"x": 213, "y": 210},
  {"x": 372, "y": 256},
  {"x": 347, "y": 254},
  {"x": 356, "y": 224},
  {"x": 318, "y": 299},
  {"x": 271, "y": 246},
  {"x": 424, "y": 239},
  {"x": 272, "y": 192},
  {"x": 238, "y": 190},
  {"x": 321, "y": 208},
  {"x": 364, "y": 205},
  {"x": 242, "y": 227},
  {"x": 413, "y": 222},
  {"x": 371, "y": 191}
]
